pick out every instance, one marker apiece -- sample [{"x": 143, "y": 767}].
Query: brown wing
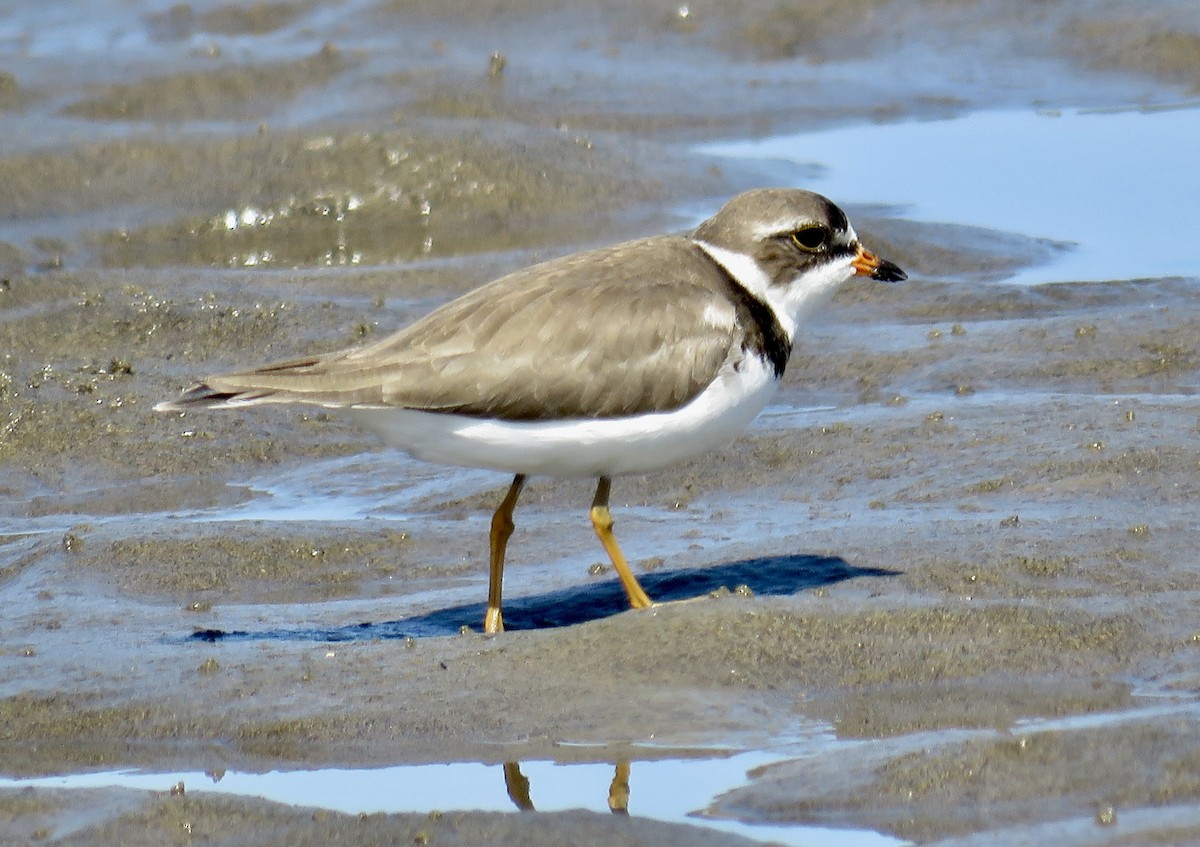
[{"x": 602, "y": 334}]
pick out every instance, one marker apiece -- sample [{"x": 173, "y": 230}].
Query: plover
[{"x": 620, "y": 360}]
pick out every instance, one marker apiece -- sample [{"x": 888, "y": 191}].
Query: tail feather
[
  {"x": 310, "y": 380},
  {"x": 203, "y": 396}
]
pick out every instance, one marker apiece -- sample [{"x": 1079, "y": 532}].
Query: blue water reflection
[{"x": 1121, "y": 186}]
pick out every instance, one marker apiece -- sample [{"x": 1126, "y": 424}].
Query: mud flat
[{"x": 947, "y": 580}]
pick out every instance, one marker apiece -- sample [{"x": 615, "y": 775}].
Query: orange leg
[
  {"x": 502, "y": 529},
  {"x": 602, "y": 522}
]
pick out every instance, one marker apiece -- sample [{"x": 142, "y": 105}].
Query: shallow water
[
  {"x": 673, "y": 790},
  {"x": 1119, "y": 188}
]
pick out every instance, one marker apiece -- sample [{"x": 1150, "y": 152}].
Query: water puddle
[
  {"x": 680, "y": 790},
  {"x": 1120, "y": 186},
  {"x": 671, "y": 790}
]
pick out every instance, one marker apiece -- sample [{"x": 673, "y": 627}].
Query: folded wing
[{"x": 634, "y": 328}]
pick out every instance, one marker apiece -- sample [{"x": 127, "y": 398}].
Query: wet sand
[{"x": 970, "y": 508}]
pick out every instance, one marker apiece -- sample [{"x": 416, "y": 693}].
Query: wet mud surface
[{"x": 962, "y": 539}]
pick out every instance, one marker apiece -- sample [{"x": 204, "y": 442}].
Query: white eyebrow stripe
[
  {"x": 780, "y": 226},
  {"x": 784, "y": 226}
]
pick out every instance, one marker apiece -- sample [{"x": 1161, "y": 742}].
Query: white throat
[{"x": 792, "y": 302}]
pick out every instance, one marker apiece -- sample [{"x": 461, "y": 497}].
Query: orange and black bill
[{"x": 867, "y": 263}]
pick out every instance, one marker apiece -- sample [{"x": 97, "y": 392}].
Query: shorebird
[{"x": 620, "y": 360}]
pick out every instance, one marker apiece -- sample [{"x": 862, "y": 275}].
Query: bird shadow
[{"x": 770, "y": 575}]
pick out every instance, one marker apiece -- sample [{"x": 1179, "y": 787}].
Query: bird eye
[{"x": 811, "y": 239}]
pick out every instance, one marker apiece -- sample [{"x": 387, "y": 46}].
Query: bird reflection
[
  {"x": 517, "y": 786},
  {"x": 618, "y": 790}
]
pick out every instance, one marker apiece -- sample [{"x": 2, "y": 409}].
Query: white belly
[{"x": 577, "y": 448}]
